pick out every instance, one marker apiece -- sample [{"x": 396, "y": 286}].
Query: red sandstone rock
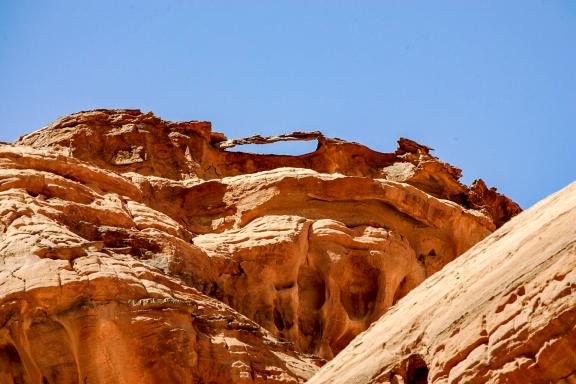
[
  {"x": 131, "y": 141},
  {"x": 84, "y": 297},
  {"x": 504, "y": 312},
  {"x": 138, "y": 250}
]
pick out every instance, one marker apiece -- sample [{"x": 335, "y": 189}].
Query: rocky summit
[{"x": 138, "y": 250}]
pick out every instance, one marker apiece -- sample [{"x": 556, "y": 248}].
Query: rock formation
[
  {"x": 504, "y": 312},
  {"x": 140, "y": 250}
]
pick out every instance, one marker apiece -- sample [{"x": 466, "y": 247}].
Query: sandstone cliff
[
  {"x": 504, "y": 312},
  {"x": 140, "y": 250}
]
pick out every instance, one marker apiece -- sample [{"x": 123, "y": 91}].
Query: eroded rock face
[
  {"x": 504, "y": 312},
  {"x": 137, "y": 250},
  {"x": 132, "y": 141},
  {"x": 316, "y": 258},
  {"x": 80, "y": 303}
]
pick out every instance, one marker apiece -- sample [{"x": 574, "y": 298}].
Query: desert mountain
[{"x": 137, "y": 250}]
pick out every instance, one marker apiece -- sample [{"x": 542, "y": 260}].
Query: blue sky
[{"x": 491, "y": 85}]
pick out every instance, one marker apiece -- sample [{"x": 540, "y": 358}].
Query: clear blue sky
[{"x": 490, "y": 84}]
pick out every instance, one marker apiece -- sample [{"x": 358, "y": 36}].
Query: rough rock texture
[
  {"x": 504, "y": 312},
  {"x": 136, "y": 250},
  {"x": 131, "y": 141}
]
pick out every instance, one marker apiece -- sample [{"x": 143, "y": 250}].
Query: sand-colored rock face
[
  {"x": 317, "y": 258},
  {"x": 137, "y": 250},
  {"x": 504, "y": 312},
  {"x": 75, "y": 309}
]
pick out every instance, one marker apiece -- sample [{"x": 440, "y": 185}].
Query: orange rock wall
[
  {"x": 137, "y": 250},
  {"x": 504, "y": 312}
]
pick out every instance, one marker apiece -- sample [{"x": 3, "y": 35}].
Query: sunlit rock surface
[
  {"x": 139, "y": 250},
  {"x": 504, "y": 312}
]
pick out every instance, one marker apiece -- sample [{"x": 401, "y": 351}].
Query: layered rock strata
[
  {"x": 138, "y": 250},
  {"x": 83, "y": 301},
  {"x": 504, "y": 312}
]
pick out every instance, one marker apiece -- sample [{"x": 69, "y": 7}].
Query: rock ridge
[{"x": 132, "y": 141}]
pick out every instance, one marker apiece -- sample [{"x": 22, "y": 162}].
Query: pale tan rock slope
[
  {"x": 504, "y": 312},
  {"x": 139, "y": 250}
]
